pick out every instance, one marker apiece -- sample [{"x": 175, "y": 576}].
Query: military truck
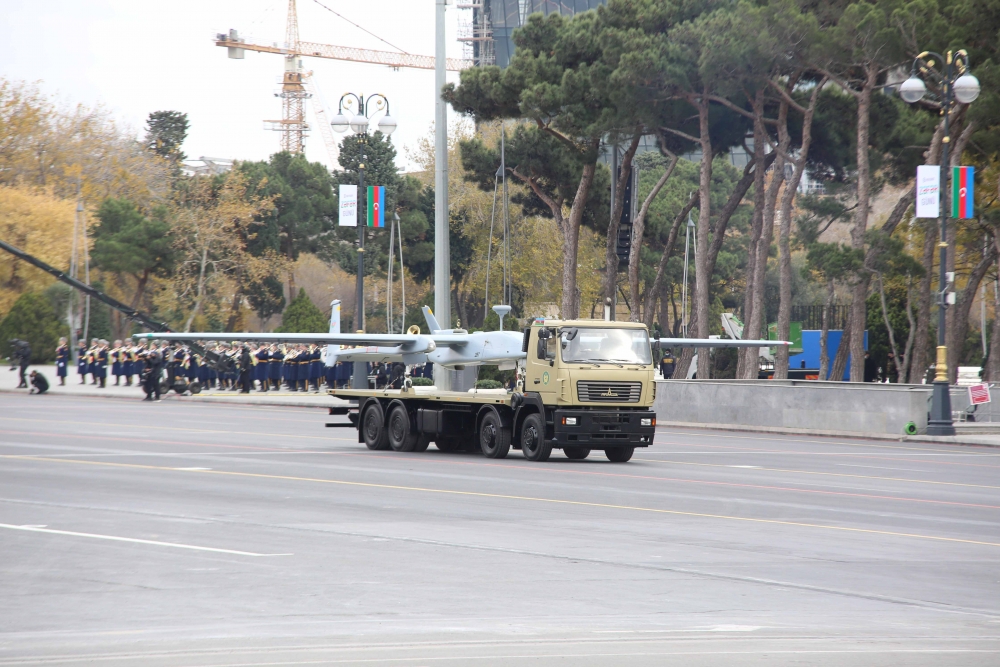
[{"x": 582, "y": 385}]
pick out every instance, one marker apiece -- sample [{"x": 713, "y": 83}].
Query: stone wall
[{"x": 799, "y": 404}]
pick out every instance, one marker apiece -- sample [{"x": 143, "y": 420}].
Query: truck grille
[{"x": 609, "y": 392}]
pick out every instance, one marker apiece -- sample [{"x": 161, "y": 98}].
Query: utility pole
[{"x": 442, "y": 245}]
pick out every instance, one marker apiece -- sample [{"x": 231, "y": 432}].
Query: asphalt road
[{"x": 187, "y": 534}]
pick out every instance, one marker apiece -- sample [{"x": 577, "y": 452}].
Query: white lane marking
[
  {"x": 36, "y": 529},
  {"x": 192, "y": 468},
  {"x": 754, "y": 467}
]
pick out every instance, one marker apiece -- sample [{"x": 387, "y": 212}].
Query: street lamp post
[
  {"x": 358, "y": 124},
  {"x": 956, "y": 86}
]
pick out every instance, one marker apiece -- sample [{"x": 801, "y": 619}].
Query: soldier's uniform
[
  {"x": 62, "y": 362},
  {"x": 138, "y": 362},
  {"x": 101, "y": 365},
  {"x": 128, "y": 363},
  {"x": 263, "y": 367},
  {"x": 274, "y": 367},
  {"x": 116, "y": 364},
  {"x": 81, "y": 362}
]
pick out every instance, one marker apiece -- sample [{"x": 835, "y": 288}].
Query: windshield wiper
[{"x": 608, "y": 361}]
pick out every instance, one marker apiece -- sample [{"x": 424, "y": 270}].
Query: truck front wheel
[
  {"x": 494, "y": 439},
  {"x": 576, "y": 453},
  {"x": 401, "y": 436},
  {"x": 533, "y": 443},
  {"x": 619, "y": 454},
  {"x": 373, "y": 428}
]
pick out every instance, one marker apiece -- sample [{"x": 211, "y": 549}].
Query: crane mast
[{"x": 294, "y": 81}]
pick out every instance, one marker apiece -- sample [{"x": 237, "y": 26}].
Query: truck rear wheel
[
  {"x": 576, "y": 453},
  {"x": 533, "y": 443},
  {"x": 619, "y": 454},
  {"x": 401, "y": 436},
  {"x": 373, "y": 428},
  {"x": 422, "y": 443},
  {"x": 494, "y": 439}
]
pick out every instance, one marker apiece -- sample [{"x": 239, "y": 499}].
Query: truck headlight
[
  {"x": 647, "y": 421},
  {"x": 569, "y": 421}
]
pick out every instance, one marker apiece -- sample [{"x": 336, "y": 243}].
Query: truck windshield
[{"x": 623, "y": 346}]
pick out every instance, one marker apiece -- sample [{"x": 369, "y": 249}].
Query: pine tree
[{"x": 302, "y": 316}]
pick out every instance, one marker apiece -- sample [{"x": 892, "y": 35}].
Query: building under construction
[{"x": 488, "y": 36}]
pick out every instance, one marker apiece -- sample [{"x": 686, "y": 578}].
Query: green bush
[
  {"x": 488, "y": 384},
  {"x": 32, "y": 319},
  {"x": 302, "y": 316},
  {"x": 422, "y": 382}
]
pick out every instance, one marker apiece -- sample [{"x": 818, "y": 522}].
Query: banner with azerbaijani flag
[
  {"x": 962, "y": 191},
  {"x": 376, "y": 206}
]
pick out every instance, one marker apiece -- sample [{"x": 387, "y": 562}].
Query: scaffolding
[{"x": 476, "y": 34}]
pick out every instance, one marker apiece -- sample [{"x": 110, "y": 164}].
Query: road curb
[
  {"x": 964, "y": 440},
  {"x": 320, "y": 401}
]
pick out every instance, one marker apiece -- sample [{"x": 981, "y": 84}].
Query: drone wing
[{"x": 716, "y": 342}]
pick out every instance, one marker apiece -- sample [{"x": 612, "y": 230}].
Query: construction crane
[{"x": 293, "y": 126}]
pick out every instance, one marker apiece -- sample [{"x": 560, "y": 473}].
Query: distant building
[
  {"x": 488, "y": 35},
  {"x": 206, "y": 166}
]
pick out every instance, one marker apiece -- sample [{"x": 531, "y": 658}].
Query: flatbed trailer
[{"x": 408, "y": 420}]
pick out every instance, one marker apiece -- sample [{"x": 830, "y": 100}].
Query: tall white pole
[{"x": 442, "y": 246}]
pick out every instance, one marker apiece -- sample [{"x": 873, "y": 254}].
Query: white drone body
[{"x": 451, "y": 348}]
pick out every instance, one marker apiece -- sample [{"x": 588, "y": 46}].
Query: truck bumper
[{"x": 599, "y": 429}]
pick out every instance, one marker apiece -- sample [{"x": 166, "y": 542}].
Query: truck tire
[
  {"x": 423, "y": 441},
  {"x": 494, "y": 439},
  {"x": 576, "y": 453},
  {"x": 619, "y": 454},
  {"x": 534, "y": 446},
  {"x": 373, "y": 428},
  {"x": 401, "y": 435}
]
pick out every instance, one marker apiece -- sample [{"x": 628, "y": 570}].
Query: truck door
[{"x": 540, "y": 374}]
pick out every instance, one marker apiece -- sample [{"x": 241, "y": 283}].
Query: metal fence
[
  {"x": 962, "y": 409},
  {"x": 811, "y": 317}
]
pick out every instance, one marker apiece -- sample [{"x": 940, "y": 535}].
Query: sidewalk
[{"x": 8, "y": 383}]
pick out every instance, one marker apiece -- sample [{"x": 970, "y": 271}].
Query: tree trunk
[
  {"x": 667, "y": 250},
  {"x": 921, "y": 339},
  {"x": 784, "y": 246},
  {"x": 888, "y": 325},
  {"x": 703, "y": 275},
  {"x": 638, "y": 230},
  {"x": 963, "y": 305},
  {"x": 840, "y": 359},
  {"x": 956, "y": 330},
  {"x": 571, "y": 243},
  {"x": 755, "y": 328},
  {"x": 824, "y": 355},
  {"x": 203, "y": 266},
  {"x": 749, "y": 362},
  {"x": 904, "y": 363},
  {"x": 611, "y": 262},
  {"x": 140, "y": 289},
  {"x": 992, "y": 373},
  {"x": 858, "y": 310}
]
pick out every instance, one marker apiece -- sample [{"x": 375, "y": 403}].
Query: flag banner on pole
[
  {"x": 962, "y": 191},
  {"x": 928, "y": 190},
  {"x": 348, "y": 206},
  {"x": 376, "y": 206}
]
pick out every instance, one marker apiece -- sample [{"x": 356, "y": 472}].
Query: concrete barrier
[{"x": 833, "y": 407}]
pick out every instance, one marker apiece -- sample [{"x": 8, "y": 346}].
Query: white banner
[
  {"x": 928, "y": 191},
  {"x": 348, "y": 206}
]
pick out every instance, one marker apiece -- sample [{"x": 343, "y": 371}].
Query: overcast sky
[{"x": 139, "y": 56}]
